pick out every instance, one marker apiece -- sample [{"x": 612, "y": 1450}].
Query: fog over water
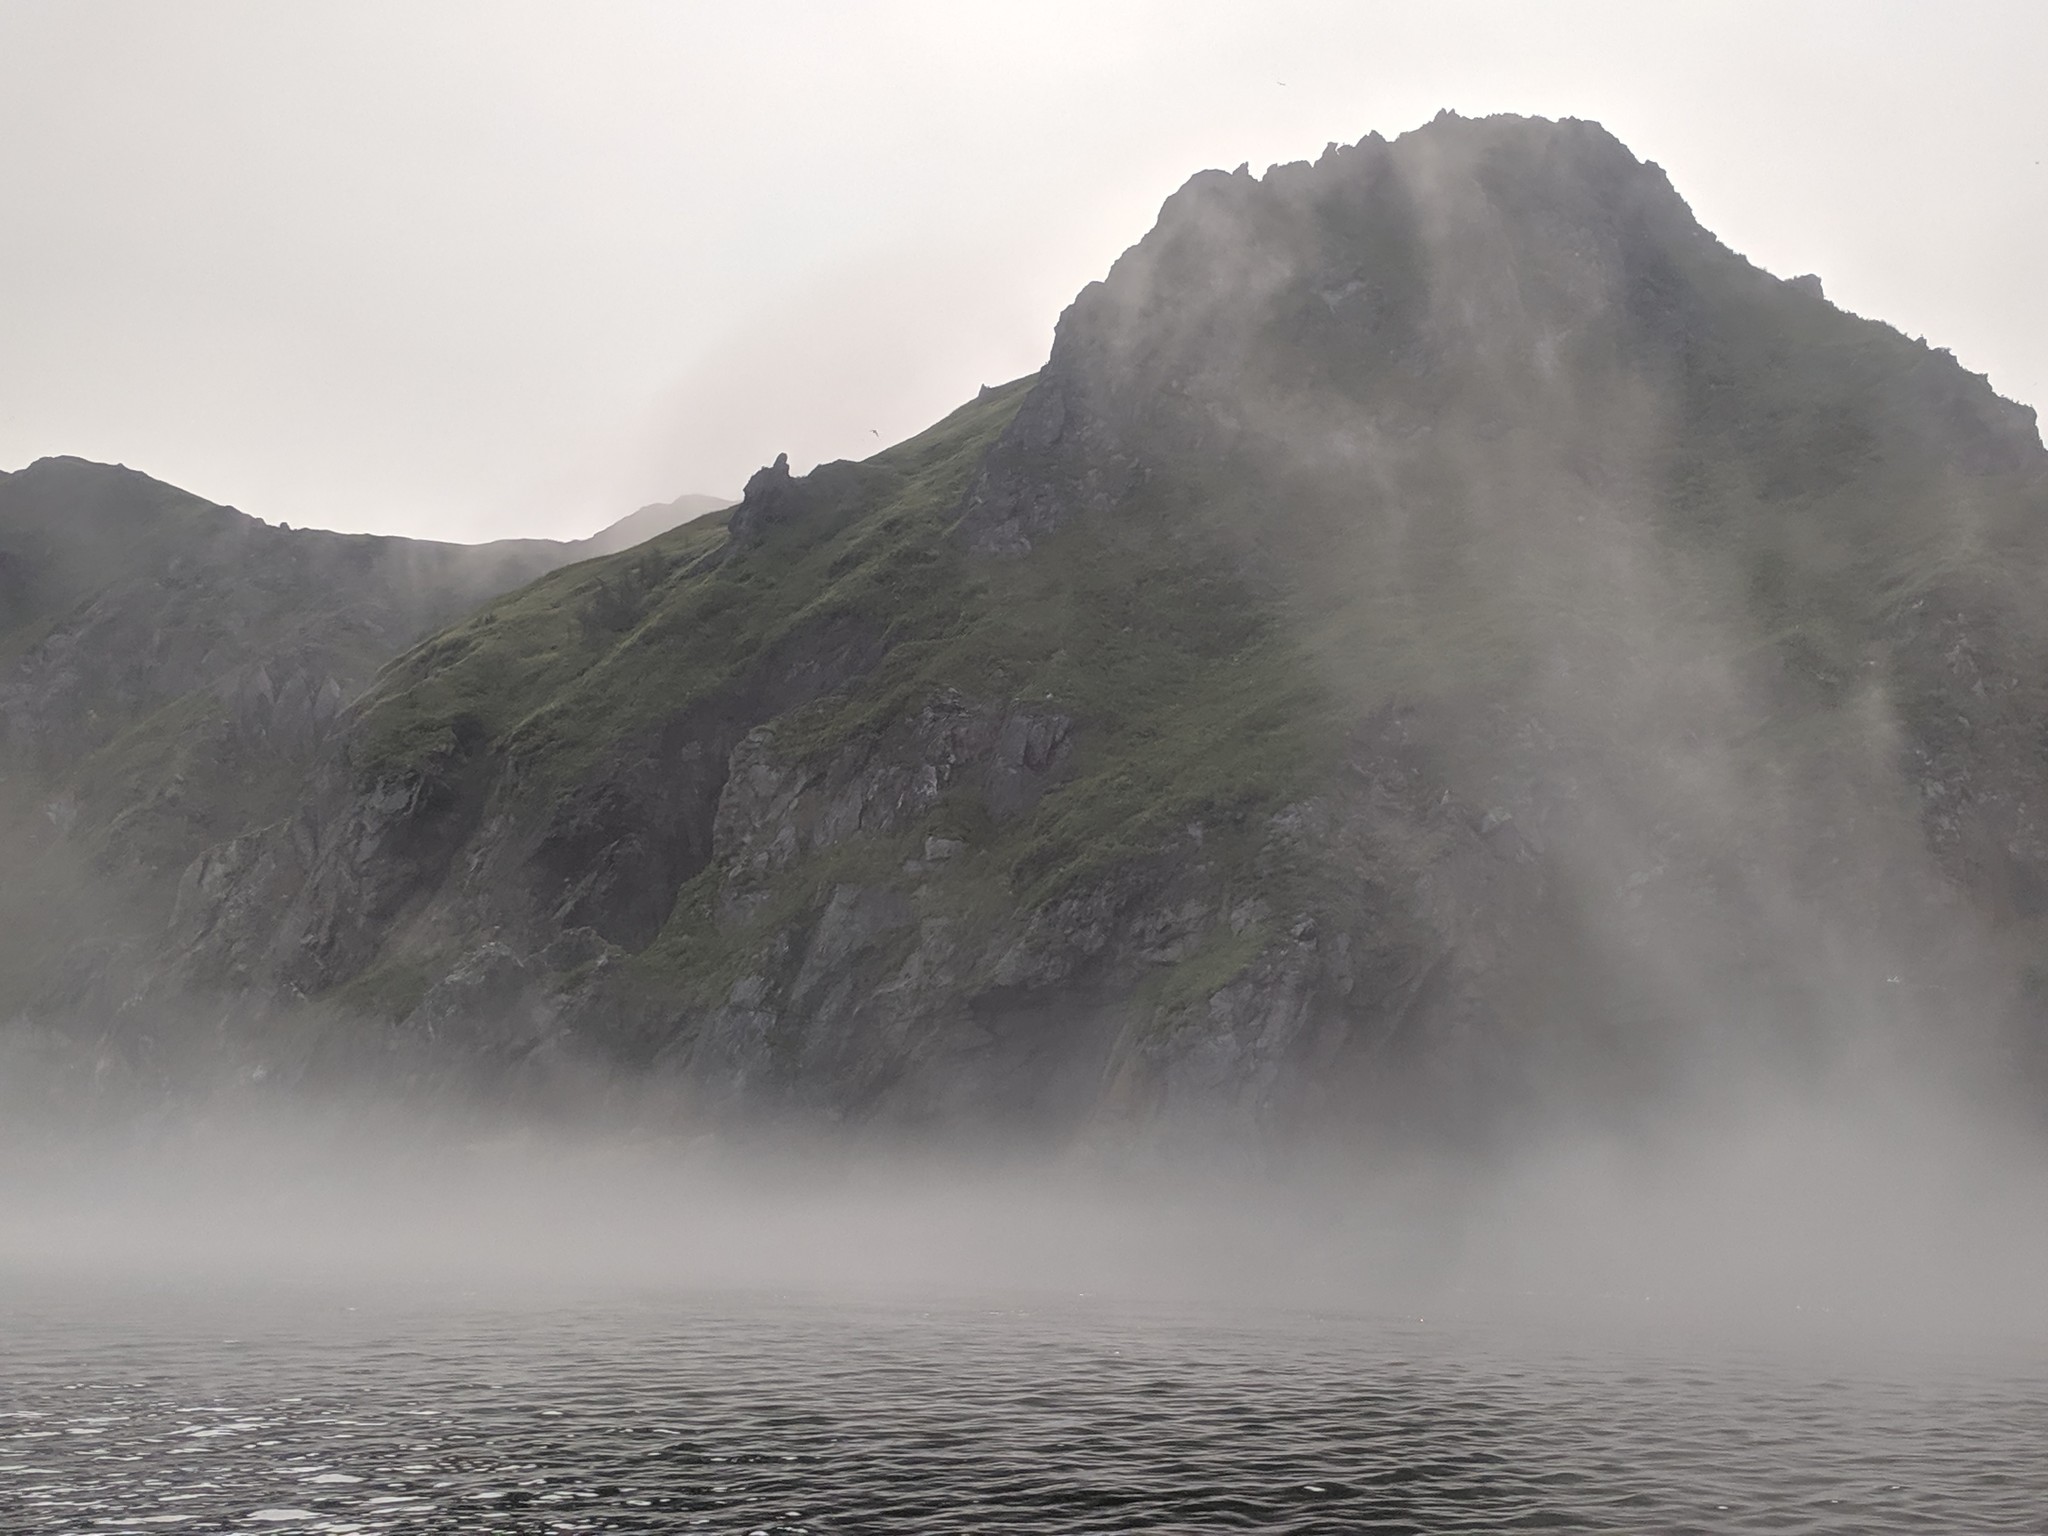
[
  {"x": 1715, "y": 1198},
  {"x": 1817, "y": 1313},
  {"x": 1827, "y": 1141},
  {"x": 1870, "y": 1212}
]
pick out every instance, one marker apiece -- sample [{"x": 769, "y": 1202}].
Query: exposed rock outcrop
[{"x": 1442, "y": 639}]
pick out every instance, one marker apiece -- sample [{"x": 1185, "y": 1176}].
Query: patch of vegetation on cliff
[
  {"x": 1191, "y": 704},
  {"x": 1194, "y": 704},
  {"x": 163, "y": 789},
  {"x": 178, "y": 781},
  {"x": 389, "y": 990},
  {"x": 696, "y": 959},
  {"x": 1191, "y": 701},
  {"x": 478, "y": 680},
  {"x": 1174, "y": 992},
  {"x": 556, "y": 673}
]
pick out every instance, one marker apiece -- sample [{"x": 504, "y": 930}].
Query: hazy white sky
[{"x": 477, "y": 269}]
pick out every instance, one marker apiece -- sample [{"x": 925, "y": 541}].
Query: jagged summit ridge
[
  {"x": 1501, "y": 253},
  {"x": 1443, "y": 637}
]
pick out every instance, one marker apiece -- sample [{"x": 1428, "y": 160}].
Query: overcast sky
[{"x": 472, "y": 270}]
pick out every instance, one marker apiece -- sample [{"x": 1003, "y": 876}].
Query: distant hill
[
  {"x": 650, "y": 521},
  {"x": 125, "y": 593},
  {"x": 169, "y": 668},
  {"x": 1442, "y": 641}
]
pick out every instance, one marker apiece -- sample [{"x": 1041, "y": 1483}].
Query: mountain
[
  {"x": 649, "y": 522},
  {"x": 170, "y": 668},
  {"x": 1443, "y": 639}
]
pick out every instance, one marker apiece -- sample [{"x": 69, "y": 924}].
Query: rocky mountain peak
[
  {"x": 1370, "y": 285},
  {"x": 1442, "y": 637}
]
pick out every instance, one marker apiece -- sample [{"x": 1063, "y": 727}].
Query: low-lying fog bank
[{"x": 1887, "y": 1211}]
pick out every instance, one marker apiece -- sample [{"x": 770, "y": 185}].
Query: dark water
[{"x": 309, "y": 1412}]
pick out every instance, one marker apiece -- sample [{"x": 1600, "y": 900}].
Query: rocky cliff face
[
  {"x": 1443, "y": 637},
  {"x": 175, "y": 690},
  {"x": 169, "y": 672}
]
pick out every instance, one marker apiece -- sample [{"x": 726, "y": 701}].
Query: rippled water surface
[{"x": 350, "y": 1414}]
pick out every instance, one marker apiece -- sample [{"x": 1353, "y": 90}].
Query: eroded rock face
[
  {"x": 1515, "y": 340},
  {"x": 468, "y": 843},
  {"x": 911, "y": 990},
  {"x": 776, "y": 499},
  {"x": 774, "y": 813},
  {"x": 1653, "y": 703}
]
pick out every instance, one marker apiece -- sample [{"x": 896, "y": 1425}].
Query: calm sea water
[{"x": 307, "y": 1411}]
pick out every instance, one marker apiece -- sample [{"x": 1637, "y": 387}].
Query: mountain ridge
[
  {"x": 1442, "y": 638},
  {"x": 173, "y": 665}
]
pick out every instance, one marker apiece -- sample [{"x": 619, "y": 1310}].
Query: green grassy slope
[
  {"x": 1190, "y": 701},
  {"x": 1617, "y": 627}
]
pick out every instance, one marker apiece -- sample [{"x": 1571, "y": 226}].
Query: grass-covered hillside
[
  {"x": 169, "y": 671},
  {"x": 1194, "y": 703},
  {"x": 1441, "y": 632},
  {"x": 523, "y": 734},
  {"x": 169, "y": 667}
]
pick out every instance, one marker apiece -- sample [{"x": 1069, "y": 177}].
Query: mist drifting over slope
[
  {"x": 1687, "y": 585},
  {"x": 1459, "y": 746}
]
